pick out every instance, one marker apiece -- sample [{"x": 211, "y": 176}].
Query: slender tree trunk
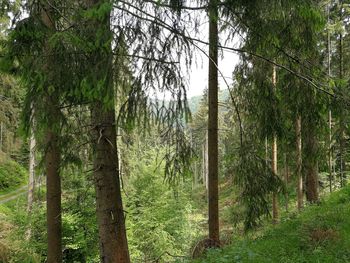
[
  {"x": 342, "y": 119},
  {"x": 286, "y": 179},
  {"x": 275, "y": 212},
  {"x": 214, "y": 233},
  {"x": 330, "y": 153},
  {"x": 1, "y": 136},
  {"x": 52, "y": 157},
  {"x": 310, "y": 163},
  {"x": 53, "y": 198},
  {"x": 31, "y": 179},
  {"x": 109, "y": 207},
  {"x": 204, "y": 177},
  {"x": 110, "y": 213},
  {"x": 300, "y": 201},
  {"x": 206, "y": 163}
]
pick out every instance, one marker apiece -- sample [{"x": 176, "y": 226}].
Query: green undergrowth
[
  {"x": 321, "y": 233},
  {"x": 12, "y": 175}
]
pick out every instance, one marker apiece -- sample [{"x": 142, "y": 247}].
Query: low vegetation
[{"x": 321, "y": 233}]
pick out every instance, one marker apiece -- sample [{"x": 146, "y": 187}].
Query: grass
[
  {"x": 12, "y": 176},
  {"x": 321, "y": 233}
]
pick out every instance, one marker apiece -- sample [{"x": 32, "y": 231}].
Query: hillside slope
[{"x": 321, "y": 233}]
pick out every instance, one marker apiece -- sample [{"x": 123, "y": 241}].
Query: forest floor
[{"x": 321, "y": 233}]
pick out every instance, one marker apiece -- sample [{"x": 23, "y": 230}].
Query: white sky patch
[{"x": 198, "y": 78}]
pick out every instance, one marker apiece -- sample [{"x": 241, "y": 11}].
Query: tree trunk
[
  {"x": 110, "y": 213},
  {"x": 1, "y": 136},
  {"x": 53, "y": 198},
  {"x": 109, "y": 207},
  {"x": 31, "y": 180},
  {"x": 214, "y": 233},
  {"x": 330, "y": 154},
  {"x": 341, "y": 119},
  {"x": 310, "y": 162},
  {"x": 300, "y": 201},
  {"x": 286, "y": 179},
  {"x": 275, "y": 212},
  {"x": 52, "y": 157},
  {"x": 330, "y": 151},
  {"x": 206, "y": 163}
]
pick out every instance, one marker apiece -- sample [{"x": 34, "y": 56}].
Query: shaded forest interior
[{"x": 105, "y": 156}]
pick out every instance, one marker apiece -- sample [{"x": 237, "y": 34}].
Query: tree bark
[
  {"x": 310, "y": 163},
  {"x": 53, "y": 198},
  {"x": 110, "y": 213},
  {"x": 52, "y": 156},
  {"x": 330, "y": 153},
  {"x": 286, "y": 179},
  {"x": 109, "y": 207},
  {"x": 213, "y": 201},
  {"x": 31, "y": 180},
  {"x": 341, "y": 119},
  {"x": 300, "y": 201},
  {"x": 275, "y": 212},
  {"x": 1, "y": 136}
]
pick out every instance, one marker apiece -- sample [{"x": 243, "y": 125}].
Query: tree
[
  {"x": 213, "y": 177},
  {"x": 109, "y": 206}
]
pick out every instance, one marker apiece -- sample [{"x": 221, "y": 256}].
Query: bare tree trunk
[
  {"x": 275, "y": 212},
  {"x": 286, "y": 179},
  {"x": 110, "y": 213},
  {"x": 300, "y": 201},
  {"x": 52, "y": 157},
  {"x": 206, "y": 163},
  {"x": 109, "y": 206},
  {"x": 204, "y": 177},
  {"x": 31, "y": 179},
  {"x": 53, "y": 198},
  {"x": 1, "y": 136},
  {"x": 341, "y": 119},
  {"x": 330, "y": 153},
  {"x": 310, "y": 163},
  {"x": 214, "y": 232}
]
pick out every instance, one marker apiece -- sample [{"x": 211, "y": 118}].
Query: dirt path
[{"x": 14, "y": 194}]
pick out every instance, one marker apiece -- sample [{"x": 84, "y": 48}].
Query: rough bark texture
[
  {"x": 341, "y": 118},
  {"x": 31, "y": 180},
  {"x": 53, "y": 198},
  {"x": 213, "y": 123},
  {"x": 330, "y": 153},
  {"x": 300, "y": 201},
  {"x": 286, "y": 179},
  {"x": 109, "y": 207},
  {"x": 310, "y": 162},
  {"x": 52, "y": 157},
  {"x": 275, "y": 212},
  {"x": 110, "y": 213}
]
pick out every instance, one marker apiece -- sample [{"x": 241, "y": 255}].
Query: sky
[{"x": 198, "y": 80}]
